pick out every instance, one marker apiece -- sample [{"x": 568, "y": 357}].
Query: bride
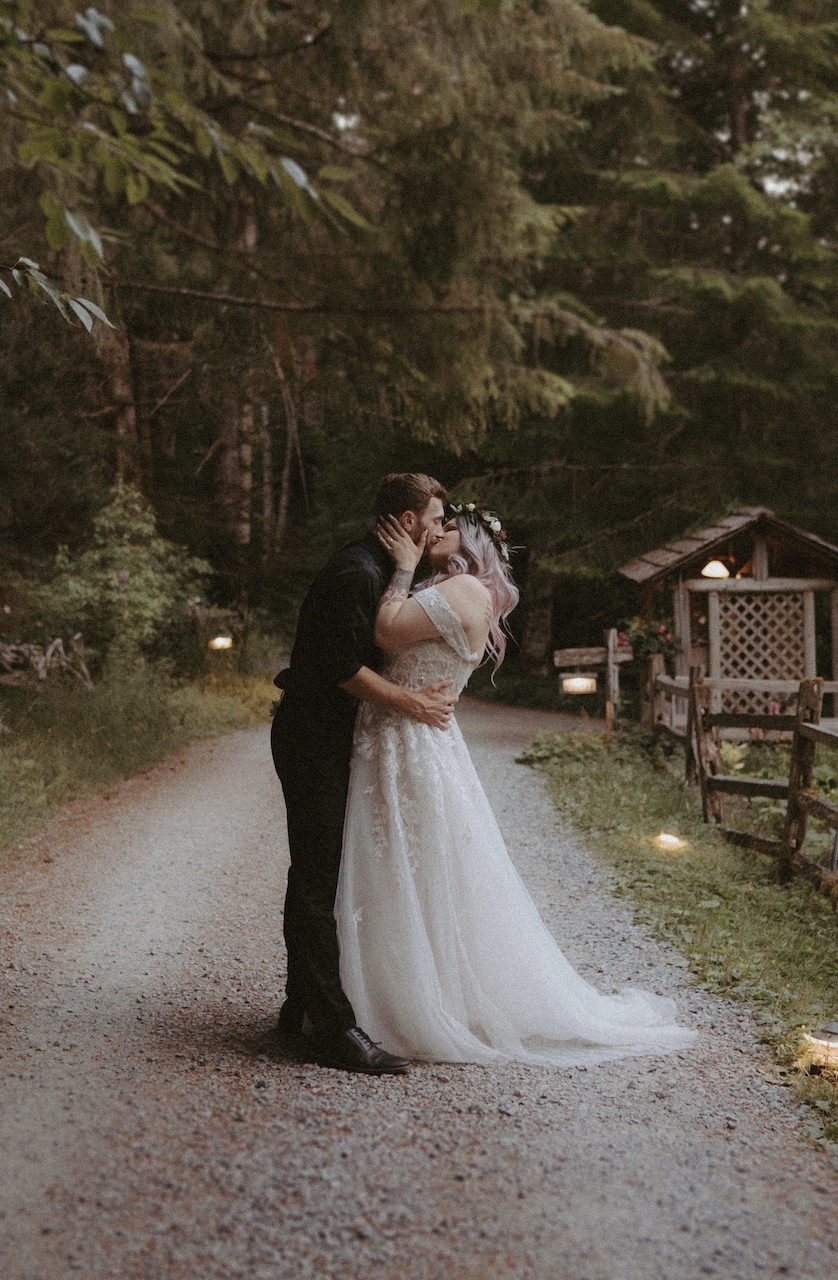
[{"x": 444, "y": 956}]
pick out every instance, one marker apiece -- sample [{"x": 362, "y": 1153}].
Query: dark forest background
[{"x": 580, "y": 261}]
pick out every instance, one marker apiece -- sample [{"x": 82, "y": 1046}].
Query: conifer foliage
[{"x": 579, "y": 259}]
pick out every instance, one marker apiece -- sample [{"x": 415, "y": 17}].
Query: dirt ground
[{"x": 151, "y": 1128}]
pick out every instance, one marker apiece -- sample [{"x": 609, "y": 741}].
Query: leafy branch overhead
[
  {"x": 26, "y": 272},
  {"x": 99, "y": 111}
]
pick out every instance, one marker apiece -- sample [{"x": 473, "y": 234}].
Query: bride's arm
[{"x": 400, "y": 621}]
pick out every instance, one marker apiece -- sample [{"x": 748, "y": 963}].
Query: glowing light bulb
[
  {"x": 715, "y": 569},
  {"x": 579, "y": 684},
  {"x": 669, "y": 842}
]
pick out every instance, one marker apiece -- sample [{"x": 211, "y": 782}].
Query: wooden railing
[
  {"x": 664, "y": 694},
  {"x": 704, "y": 762}
]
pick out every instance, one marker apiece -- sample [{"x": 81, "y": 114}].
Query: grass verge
[
  {"x": 742, "y": 933},
  {"x": 66, "y": 742}
]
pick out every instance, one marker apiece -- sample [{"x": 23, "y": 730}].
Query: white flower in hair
[{"x": 489, "y": 521}]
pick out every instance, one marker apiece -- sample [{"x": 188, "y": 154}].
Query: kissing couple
[{"x": 410, "y": 934}]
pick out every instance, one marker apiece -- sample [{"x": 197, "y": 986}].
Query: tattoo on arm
[{"x": 399, "y": 587}]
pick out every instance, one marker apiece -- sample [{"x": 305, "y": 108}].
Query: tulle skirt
[{"x": 443, "y": 953}]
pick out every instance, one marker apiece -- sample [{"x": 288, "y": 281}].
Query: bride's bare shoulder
[{"x": 464, "y": 592}]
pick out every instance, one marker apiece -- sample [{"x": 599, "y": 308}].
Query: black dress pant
[{"x": 314, "y": 772}]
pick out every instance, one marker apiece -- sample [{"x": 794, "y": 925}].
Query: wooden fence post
[
  {"x": 690, "y": 769},
  {"x": 809, "y": 705},
  {"x": 612, "y": 679},
  {"x": 707, "y": 760}
]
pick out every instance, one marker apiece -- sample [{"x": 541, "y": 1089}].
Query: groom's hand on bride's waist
[
  {"x": 432, "y": 705},
  {"x": 435, "y": 704}
]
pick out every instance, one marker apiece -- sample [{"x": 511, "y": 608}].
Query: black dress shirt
[{"x": 335, "y": 638}]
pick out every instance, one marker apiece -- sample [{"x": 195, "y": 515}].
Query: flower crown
[{"x": 490, "y": 521}]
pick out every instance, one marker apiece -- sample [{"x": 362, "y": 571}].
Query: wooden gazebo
[{"x": 743, "y": 595}]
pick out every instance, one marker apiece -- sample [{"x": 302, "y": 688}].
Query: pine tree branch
[{"x": 268, "y": 304}]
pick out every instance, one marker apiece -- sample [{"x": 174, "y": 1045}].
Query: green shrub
[{"x": 126, "y": 587}]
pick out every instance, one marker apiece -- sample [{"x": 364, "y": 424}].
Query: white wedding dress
[{"x": 443, "y": 953}]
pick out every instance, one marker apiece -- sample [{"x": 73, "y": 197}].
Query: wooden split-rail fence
[{"x": 700, "y": 733}]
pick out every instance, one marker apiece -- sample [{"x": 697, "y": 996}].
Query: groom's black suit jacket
[{"x": 335, "y": 638}]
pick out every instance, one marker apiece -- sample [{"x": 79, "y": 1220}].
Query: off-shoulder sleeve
[{"x": 446, "y": 621}]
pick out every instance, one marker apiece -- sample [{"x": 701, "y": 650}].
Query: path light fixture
[
  {"x": 221, "y": 641},
  {"x": 668, "y": 842},
  {"x": 583, "y": 682},
  {"x": 822, "y": 1046},
  {"x": 715, "y": 569}
]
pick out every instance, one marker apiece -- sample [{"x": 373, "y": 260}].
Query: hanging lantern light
[
  {"x": 583, "y": 682},
  {"x": 222, "y": 641},
  {"x": 715, "y": 569}
]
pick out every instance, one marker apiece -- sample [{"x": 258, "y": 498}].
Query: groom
[{"x": 334, "y": 665}]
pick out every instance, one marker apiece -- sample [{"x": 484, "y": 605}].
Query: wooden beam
[
  {"x": 754, "y": 584},
  {"x": 597, "y": 657},
  {"x": 714, "y": 647},
  {"x": 760, "y": 558},
  {"x": 681, "y": 614},
  {"x": 776, "y": 788},
  {"x": 756, "y": 686},
  {"x": 818, "y": 806},
  {"x": 834, "y": 620},
  {"x": 732, "y": 720},
  {"x": 747, "y": 840},
  {"x": 705, "y": 757},
  {"x": 809, "y": 703},
  {"x": 826, "y": 881},
  {"x": 817, "y": 733},
  {"x": 810, "y": 662}
]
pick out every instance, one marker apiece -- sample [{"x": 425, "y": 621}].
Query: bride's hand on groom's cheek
[{"x": 398, "y": 542}]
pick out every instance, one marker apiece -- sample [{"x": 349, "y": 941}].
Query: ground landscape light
[
  {"x": 715, "y": 569},
  {"x": 221, "y": 642},
  {"x": 669, "y": 842},
  {"x": 822, "y": 1045},
  {"x": 579, "y": 684}
]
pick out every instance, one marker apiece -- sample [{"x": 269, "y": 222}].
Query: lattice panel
[{"x": 762, "y": 637}]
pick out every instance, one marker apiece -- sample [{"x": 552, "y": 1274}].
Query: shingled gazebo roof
[{"x": 687, "y": 555}]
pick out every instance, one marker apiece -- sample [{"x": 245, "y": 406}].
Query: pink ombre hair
[{"x": 479, "y": 556}]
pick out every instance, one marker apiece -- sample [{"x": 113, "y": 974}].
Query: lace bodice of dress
[{"x": 445, "y": 657}]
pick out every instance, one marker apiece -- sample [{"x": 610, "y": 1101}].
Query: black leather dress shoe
[{"x": 354, "y": 1051}]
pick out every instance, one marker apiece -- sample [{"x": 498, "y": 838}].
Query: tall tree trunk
[
  {"x": 266, "y": 442},
  {"x": 538, "y": 632},
  {"x": 243, "y": 521},
  {"x": 292, "y": 449},
  {"x": 281, "y": 525},
  {"x": 236, "y": 470},
  {"x": 236, "y": 487},
  {"x": 116, "y": 357}
]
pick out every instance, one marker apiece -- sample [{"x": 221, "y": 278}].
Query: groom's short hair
[{"x": 407, "y": 491}]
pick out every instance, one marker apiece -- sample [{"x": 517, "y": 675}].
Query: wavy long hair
[{"x": 479, "y": 556}]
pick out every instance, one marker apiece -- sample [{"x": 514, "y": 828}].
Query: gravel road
[{"x": 151, "y": 1129}]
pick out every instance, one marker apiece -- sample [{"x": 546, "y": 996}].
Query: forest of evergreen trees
[{"x": 579, "y": 260}]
